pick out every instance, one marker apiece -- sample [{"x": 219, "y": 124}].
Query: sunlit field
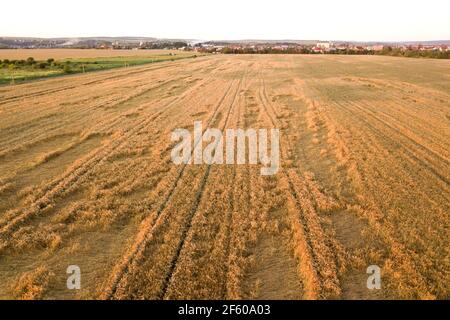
[
  {"x": 86, "y": 179},
  {"x": 21, "y": 65}
]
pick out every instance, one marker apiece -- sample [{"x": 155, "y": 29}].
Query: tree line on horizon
[{"x": 387, "y": 51}]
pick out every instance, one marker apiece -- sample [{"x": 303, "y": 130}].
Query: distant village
[
  {"x": 235, "y": 47},
  {"x": 326, "y": 47}
]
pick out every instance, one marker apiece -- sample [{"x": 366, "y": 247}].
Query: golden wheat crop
[
  {"x": 44, "y": 54},
  {"x": 86, "y": 179}
]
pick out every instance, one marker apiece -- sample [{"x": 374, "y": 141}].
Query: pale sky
[{"x": 374, "y": 20}]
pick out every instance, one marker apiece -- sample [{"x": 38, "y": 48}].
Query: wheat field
[
  {"x": 86, "y": 179},
  {"x": 44, "y": 54}
]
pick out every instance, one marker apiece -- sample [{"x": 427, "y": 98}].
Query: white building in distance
[{"x": 324, "y": 45}]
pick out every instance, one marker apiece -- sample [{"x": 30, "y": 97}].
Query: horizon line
[{"x": 225, "y": 40}]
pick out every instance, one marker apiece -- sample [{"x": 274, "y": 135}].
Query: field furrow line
[
  {"x": 59, "y": 185},
  {"x": 81, "y": 113},
  {"x": 148, "y": 226},
  {"x": 121, "y": 75},
  {"x": 398, "y": 130},
  {"x": 230, "y": 215},
  {"x": 80, "y": 170},
  {"x": 318, "y": 263},
  {"x": 407, "y": 150},
  {"x": 84, "y": 103},
  {"x": 195, "y": 206}
]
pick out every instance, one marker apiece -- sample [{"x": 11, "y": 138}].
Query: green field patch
[{"x": 18, "y": 71}]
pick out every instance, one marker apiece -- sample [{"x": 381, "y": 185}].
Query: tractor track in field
[
  {"x": 87, "y": 179},
  {"x": 139, "y": 247},
  {"x": 80, "y": 111},
  {"x": 395, "y": 128},
  {"x": 194, "y": 208},
  {"x": 419, "y": 146},
  {"x": 229, "y": 216},
  {"x": 120, "y": 76},
  {"x": 409, "y": 152},
  {"x": 306, "y": 223},
  {"x": 69, "y": 178}
]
